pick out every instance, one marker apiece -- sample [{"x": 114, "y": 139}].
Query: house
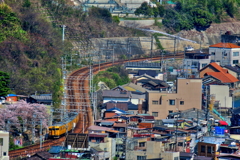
[
  {"x": 116, "y": 95},
  {"x": 233, "y": 70},
  {"x": 4, "y": 143},
  {"x": 143, "y": 148},
  {"x": 153, "y": 84},
  {"x": 40, "y": 156},
  {"x": 188, "y": 95},
  {"x": 225, "y": 53},
  {"x": 134, "y": 88},
  {"x": 194, "y": 61},
  {"x": 11, "y": 98},
  {"x": 42, "y": 99},
  {"x": 216, "y": 71}
]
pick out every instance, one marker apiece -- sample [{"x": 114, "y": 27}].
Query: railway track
[{"x": 85, "y": 116}]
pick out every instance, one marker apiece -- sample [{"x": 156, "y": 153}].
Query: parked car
[{"x": 171, "y": 84}]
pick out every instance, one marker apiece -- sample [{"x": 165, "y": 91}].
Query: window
[
  {"x": 4, "y": 153},
  {"x": 141, "y": 157},
  {"x": 1, "y": 141},
  {"x": 212, "y": 53},
  {"x": 175, "y": 158},
  {"x": 204, "y": 64},
  {"x": 180, "y": 143},
  {"x": 155, "y": 114},
  {"x": 170, "y": 111},
  {"x": 181, "y": 102},
  {"x": 235, "y": 61},
  {"x": 154, "y": 102},
  {"x": 235, "y": 53},
  {"x": 141, "y": 144},
  {"x": 224, "y": 53},
  {"x": 209, "y": 149},
  {"x": 171, "y": 102},
  {"x": 203, "y": 149}
]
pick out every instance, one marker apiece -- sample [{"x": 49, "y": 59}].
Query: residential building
[
  {"x": 188, "y": 95},
  {"x": 213, "y": 70},
  {"x": 225, "y": 53},
  {"x": 4, "y": 145},
  {"x": 220, "y": 94},
  {"x": 117, "y": 96},
  {"x": 142, "y": 148},
  {"x": 233, "y": 70},
  {"x": 194, "y": 61}
]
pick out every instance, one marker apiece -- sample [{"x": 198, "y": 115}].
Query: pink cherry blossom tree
[{"x": 23, "y": 114}]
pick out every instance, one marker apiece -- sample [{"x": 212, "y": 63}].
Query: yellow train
[{"x": 61, "y": 128}]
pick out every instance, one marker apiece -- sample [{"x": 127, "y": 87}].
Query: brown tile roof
[
  {"x": 122, "y": 106},
  {"x": 120, "y": 125},
  {"x": 224, "y": 45},
  {"x": 223, "y": 77},
  {"x": 222, "y": 74}
]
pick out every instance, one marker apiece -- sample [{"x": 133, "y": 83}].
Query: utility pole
[
  {"x": 41, "y": 134},
  {"x": 151, "y": 47},
  {"x": 206, "y": 104}
]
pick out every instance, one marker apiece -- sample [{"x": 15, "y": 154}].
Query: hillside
[{"x": 31, "y": 42}]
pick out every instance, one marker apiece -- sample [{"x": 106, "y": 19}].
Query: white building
[
  {"x": 225, "y": 53},
  {"x": 221, "y": 95},
  {"x": 4, "y": 145}
]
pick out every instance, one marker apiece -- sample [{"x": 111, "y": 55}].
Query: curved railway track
[{"x": 79, "y": 84}]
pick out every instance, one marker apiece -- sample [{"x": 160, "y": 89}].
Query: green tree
[
  {"x": 102, "y": 13},
  {"x": 26, "y": 3},
  {"x": 202, "y": 19},
  {"x": 4, "y": 83},
  {"x": 155, "y": 12},
  {"x": 231, "y": 7},
  {"x": 144, "y": 9},
  {"x": 161, "y": 10}
]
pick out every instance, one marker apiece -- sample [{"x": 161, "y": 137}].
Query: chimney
[{"x": 140, "y": 105}]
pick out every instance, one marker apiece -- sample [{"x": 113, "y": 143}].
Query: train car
[{"x": 61, "y": 128}]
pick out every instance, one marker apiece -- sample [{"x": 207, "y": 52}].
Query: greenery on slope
[
  {"x": 31, "y": 44},
  {"x": 189, "y": 14},
  {"x": 113, "y": 76}
]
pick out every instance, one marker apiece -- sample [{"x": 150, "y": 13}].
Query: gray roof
[
  {"x": 234, "y": 69},
  {"x": 116, "y": 94},
  {"x": 134, "y": 86}
]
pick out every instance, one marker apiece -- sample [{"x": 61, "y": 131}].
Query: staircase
[{"x": 218, "y": 116}]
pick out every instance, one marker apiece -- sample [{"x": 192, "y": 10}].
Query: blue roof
[
  {"x": 56, "y": 149},
  {"x": 116, "y": 109},
  {"x": 11, "y": 95}
]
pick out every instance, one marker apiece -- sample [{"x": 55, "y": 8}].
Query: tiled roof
[
  {"x": 117, "y": 94},
  {"x": 98, "y": 128},
  {"x": 224, "y": 77},
  {"x": 234, "y": 69},
  {"x": 120, "y": 125},
  {"x": 122, "y": 106},
  {"x": 151, "y": 73},
  {"x": 224, "y": 45},
  {"x": 222, "y": 74},
  {"x": 133, "y": 87}
]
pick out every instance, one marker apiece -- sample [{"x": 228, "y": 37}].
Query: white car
[{"x": 171, "y": 84}]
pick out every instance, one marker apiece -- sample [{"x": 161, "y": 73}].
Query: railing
[{"x": 220, "y": 116}]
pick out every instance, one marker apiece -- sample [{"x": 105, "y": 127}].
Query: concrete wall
[
  {"x": 106, "y": 99},
  {"x": 170, "y": 155},
  {"x": 4, "y": 137},
  {"x": 188, "y": 90},
  {"x": 224, "y": 60},
  {"x": 153, "y": 150},
  {"x": 221, "y": 93},
  {"x": 109, "y": 144}
]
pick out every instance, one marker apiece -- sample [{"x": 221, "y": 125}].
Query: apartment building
[{"x": 188, "y": 95}]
